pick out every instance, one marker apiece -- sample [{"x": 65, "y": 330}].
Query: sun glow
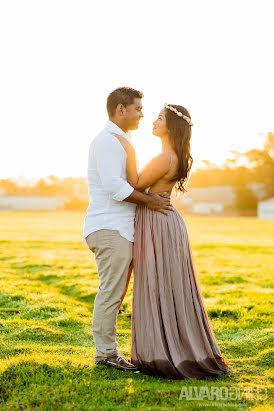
[{"x": 54, "y": 82}]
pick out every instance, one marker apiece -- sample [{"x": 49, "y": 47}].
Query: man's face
[{"x": 133, "y": 114}]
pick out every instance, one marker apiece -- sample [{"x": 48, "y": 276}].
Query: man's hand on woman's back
[{"x": 159, "y": 202}]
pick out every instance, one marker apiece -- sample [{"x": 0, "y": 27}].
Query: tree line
[{"x": 252, "y": 168}]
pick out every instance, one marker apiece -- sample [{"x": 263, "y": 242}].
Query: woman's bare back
[{"x": 163, "y": 183}]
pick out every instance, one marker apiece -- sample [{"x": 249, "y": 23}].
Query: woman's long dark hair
[{"x": 179, "y": 136}]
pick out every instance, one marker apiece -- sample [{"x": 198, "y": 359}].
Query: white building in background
[
  {"x": 31, "y": 203},
  {"x": 208, "y": 200},
  {"x": 207, "y": 208},
  {"x": 266, "y": 209}
]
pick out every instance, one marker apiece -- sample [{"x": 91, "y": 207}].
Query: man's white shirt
[{"x": 108, "y": 186}]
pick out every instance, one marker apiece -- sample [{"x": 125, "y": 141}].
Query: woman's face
[{"x": 159, "y": 125}]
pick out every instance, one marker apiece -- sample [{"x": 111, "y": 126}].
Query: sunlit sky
[{"x": 60, "y": 59}]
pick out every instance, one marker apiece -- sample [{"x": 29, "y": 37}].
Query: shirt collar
[{"x": 113, "y": 128}]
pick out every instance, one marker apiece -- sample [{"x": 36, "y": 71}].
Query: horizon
[{"x": 31, "y": 181}]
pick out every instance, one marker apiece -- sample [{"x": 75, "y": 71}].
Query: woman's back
[{"x": 163, "y": 184}]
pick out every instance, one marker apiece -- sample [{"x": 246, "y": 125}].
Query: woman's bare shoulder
[{"x": 166, "y": 157}]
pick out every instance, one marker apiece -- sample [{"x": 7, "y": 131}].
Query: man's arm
[
  {"x": 154, "y": 201},
  {"x": 109, "y": 157}
]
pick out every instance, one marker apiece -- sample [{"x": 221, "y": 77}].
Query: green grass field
[{"x": 48, "y": 283}]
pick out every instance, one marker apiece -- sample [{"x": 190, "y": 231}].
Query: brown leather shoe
[{"x": 117, "y": 361}]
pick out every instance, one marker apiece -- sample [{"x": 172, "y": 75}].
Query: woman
[{"x": 171, "y": 332}]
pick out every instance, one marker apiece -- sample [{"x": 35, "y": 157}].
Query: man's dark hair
[{"x": 122, "y": 95}]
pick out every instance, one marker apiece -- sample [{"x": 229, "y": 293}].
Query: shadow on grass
[
  {"x": 8, "y": 300},
  {"x": 42, "y": 313},
  {"x": 224, "y": 313},
  {"x": 40, "y": 334},
  {"x": 32, "y": 268},
  {"x": 69, "y": 290},
  {"x": 74, "y": 292},
  {"x": 49, "y": 279},
  {"x": 13, "y": 352},
  {"x": 11, "y": 305},
  {"x": 6, "y": 258},
  {"x": 46, "y": 385},
  {"x": 70, "y": 332},
  {"x": 34, "y": 384},
  {"x": 220, "y": 280}
]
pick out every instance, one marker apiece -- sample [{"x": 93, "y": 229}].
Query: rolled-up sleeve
[{"x": 109, "y": 157}]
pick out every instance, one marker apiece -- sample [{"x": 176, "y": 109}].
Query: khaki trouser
[{"x": 113, "y": 255}]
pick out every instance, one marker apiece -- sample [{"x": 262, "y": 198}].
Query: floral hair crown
[{"x": 179, "y": 114}]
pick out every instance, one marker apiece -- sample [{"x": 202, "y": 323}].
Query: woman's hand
[{"x": 125, "y": 143}]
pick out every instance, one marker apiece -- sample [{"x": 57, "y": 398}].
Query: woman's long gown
[{"x": 171, "y": 332}]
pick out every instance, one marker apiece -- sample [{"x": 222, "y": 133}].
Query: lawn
[{"x": 48, "y": 282}]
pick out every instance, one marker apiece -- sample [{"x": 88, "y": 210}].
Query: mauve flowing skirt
[{"x": 171, "y": 332}]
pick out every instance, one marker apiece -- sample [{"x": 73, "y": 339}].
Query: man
[{"x": 109, "y": 223}]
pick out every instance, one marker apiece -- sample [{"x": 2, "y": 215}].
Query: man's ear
[{"x": 120, "y": 109}]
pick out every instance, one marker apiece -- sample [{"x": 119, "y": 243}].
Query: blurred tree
[
  {"x": 254, "y": 166},
  {"x": 8, "y": 186},
  {"x": 76, "y": 204},
  {"x": 245, "y": 199},
  {"x": 269, "y": 144}
]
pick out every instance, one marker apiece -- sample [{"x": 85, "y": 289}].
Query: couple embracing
[{"x": 131, "y": 224}]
